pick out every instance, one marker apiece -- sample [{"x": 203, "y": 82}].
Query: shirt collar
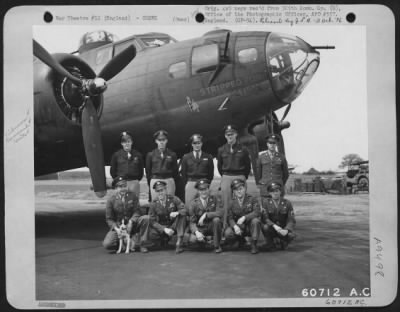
[{"x": 204, "y": 201}]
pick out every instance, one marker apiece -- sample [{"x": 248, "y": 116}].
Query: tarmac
[{"x": 331, "y": 251}]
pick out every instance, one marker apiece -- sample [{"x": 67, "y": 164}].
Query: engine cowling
[{"x": 57, "y": 102}]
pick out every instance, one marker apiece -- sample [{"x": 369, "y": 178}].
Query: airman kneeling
[
  {"x": 124, "y": 205},
  {"x": 167, "y": 216},
  {"x": 205, "y": 213},
  {"x": 243, "y": 216},
  {"x": 278, "y": 219}
]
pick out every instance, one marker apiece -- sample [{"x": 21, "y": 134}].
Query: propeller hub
[{"x": 93, "y": 87}]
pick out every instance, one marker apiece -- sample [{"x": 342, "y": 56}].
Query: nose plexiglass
[{"x": 291, "y": 64}]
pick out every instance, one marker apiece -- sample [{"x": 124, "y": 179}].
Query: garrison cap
[
  {"x": 202, "y": 184},
  {"x": 160, "y": 133},
  {"x": 236, "y": 183},
  {"x": 274, "y": 186},
  {"x": 272, "y": 138},
  {"x": 196, "y": 137},
  {"x": 159, "y": 184},
  {"x": 118, "y": 181},
  {"x": 230, "y": 128},
  {"x": 125, "y": 135}
]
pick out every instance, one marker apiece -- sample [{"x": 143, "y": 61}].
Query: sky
[{"x": 328, "y": 120}]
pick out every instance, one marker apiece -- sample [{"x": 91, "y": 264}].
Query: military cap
[
  {"x": 202, "y": 184},
  {"x": 125, "y": 135},
  {"x": 274, "y": 186},
  {"x": 230, "y": 128},
  {"x": 118, "y": 181},
  {"x": 159, "y": 184},
  {"x": 236, "y": 183},
  {"x": 196, "y": 137},
  {"x": 272, "y": 138},
  {"x": 160, "y": 133}
]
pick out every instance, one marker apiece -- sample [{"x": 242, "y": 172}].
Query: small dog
[{"x": 125, "y": 237}]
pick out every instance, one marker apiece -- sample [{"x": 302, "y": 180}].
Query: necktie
[{"x": 197, "y": 154}]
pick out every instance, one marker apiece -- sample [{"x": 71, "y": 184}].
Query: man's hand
[
  {"x": 277, "y": 228},
  {"x": 169, "y": 231},
  {"x": 241, "y": 220},
  {"x": 202, "y": 218},
  {"x": 283, "y": 232},
  {"x": 199, "y": 236},
  {"x": 237, "y": 230},
  {"x": 173, "y": 214}
]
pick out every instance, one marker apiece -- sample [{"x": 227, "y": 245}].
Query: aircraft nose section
[{"x": 291, "y": 63}]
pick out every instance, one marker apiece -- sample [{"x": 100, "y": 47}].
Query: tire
[{"x": 363, "y": 183}]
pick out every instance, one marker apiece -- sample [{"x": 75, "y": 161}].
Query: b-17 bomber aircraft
[{"x": 147, "y": 82}]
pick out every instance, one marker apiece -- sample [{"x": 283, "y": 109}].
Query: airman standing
[
  {"x": 196, "y": 165},
  {"x": 272, "y": 167},
  {"x": 161, "y": 164},
  {"x": 128, "y": 163}
]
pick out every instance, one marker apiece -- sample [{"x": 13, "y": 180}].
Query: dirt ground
[{"x": 331, "y": 251}]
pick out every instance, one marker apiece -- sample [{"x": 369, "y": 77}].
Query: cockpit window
[
  {"x": 292, "y": 63},
  {"x": 156, "y": 42},
  {"x": 122, "y": 46},
  {"x": 95, "y": 39},
  {"x": 177, "y": 70},
  {"x": 247, "y": 55},
  {"x": 205, "y": 58},
  {"x": 103, "y": 55}
]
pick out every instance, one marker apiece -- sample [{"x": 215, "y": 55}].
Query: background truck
[{"x": 357, "y": 175}]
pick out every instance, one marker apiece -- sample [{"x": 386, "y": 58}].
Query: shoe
[
  {"x": 291, "y": 236},
  {"x": 164, "y": 241},
  {"x": 132, "y": 246},
  {"x": 254, "y": 249},
  {"x": 218, "y": 249},
  {"x": 178, "y": 249},
  {"x": 143, "y": 249},
  {"x": 284, "y": 244},
  {"x": 277, "y": 243},
  {"x": 201, "y": 244}
]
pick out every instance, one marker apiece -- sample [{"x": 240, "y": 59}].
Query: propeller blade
[
  {"x": 93, "y": 148},
  {"x": 46, "y": 58},
  {"x": 118, "y": 63}
]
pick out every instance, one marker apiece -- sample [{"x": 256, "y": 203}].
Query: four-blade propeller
[{"x": 91, "y": 131}]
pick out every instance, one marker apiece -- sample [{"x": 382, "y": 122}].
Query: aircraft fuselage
[{"x": 180, "y": 87}]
